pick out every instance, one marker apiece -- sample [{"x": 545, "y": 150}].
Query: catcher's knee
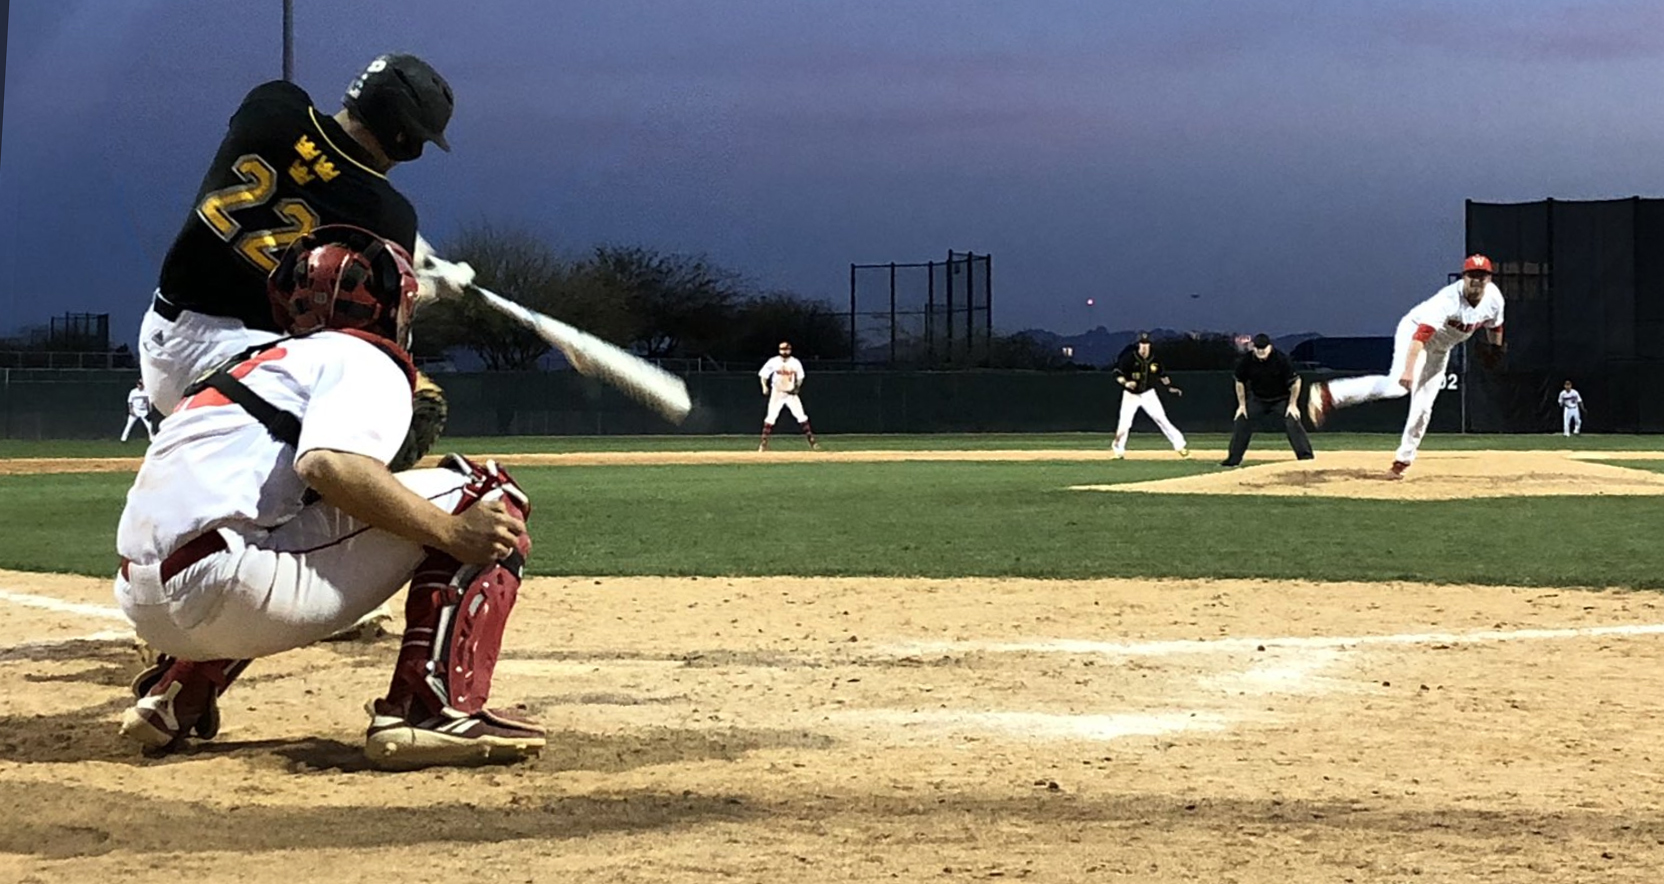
[{"x": 428, "y": 412}]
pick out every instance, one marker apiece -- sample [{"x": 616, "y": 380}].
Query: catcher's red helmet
[{"x": 344, "y": 277}]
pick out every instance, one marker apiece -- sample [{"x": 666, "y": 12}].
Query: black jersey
[
  {"x": 1143, "y": 372},
  {"x": 283, "y": 169}
]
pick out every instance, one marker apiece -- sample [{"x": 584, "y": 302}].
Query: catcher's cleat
[
  {"x": 1318, "y": 404},
  {"x": 177, "y": 697},
  {"x": 396, "y": 742},
  {"x": 1397, "y": 469}
]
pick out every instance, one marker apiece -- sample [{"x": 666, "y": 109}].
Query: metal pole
[
  {"x": 892, "y": 314},
  {"x": 988, "y": 292},
  {"x": 930, "y": 314},
  {"x": 851, "y": 314},
  {"x": 289, "y": 40},
  {"x": 948, "y": 344},
  {"x": 970, "y": 308}
]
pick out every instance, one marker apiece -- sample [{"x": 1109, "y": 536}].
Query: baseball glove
[
  {"x": 427, "y": 421},
  {"x": 1489, "y": 355}
]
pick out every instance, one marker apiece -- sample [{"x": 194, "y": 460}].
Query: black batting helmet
[
  {"x": 344, "y": 277},
  {"x": 404, "y": 102}
]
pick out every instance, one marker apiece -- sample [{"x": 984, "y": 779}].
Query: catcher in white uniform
[
  {"x": 782, "y": 378},
  {"x": 1420, "y": 355},
  {"x": 264, "y": 518}
]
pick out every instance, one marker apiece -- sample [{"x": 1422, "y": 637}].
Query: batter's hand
[
  {"x": 484, "y": 533},
  {"x": 1408, "y": 381}
]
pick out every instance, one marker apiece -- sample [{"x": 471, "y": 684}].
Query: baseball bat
[{"x": 643, "y": 381}]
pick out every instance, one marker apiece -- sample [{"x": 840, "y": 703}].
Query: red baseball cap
[{"x": 1477, "y": 264}]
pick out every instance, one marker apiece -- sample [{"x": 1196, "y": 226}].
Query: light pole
[{"x": 289, "y": 40}]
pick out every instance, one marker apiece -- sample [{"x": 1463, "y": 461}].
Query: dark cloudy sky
[{"x": 1298, "y": 165}]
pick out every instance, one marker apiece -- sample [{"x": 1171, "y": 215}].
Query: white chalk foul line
[
  {"x": 1239, "y": 645},
  {"x": 47, "y": 603}
]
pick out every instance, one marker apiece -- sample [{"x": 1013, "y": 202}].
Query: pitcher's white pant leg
[
  {"x": 1351, "y": 391},
  {"x": 775, "y": 403},
  {"x": 1130, "y": 403},
  {"x": 129, "y": 428},
  {"x": 1158, "y": 413},
  {"x": 173, "y": 354},
  {"x": 305, "y": 581},
  {"x": 1427, "y": 384}
]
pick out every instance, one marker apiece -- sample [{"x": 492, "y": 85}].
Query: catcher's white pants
[
  {"x": 173, "y": 354},
  {"x": 790, "y": 401},
  {"x": 1571, "y": 420},
  {"x": 1151, "y": 403},
  {"x": 142, "y": 420},
  {"x": 273, "y": 591},
  {"x": 1428, "y": 379}
]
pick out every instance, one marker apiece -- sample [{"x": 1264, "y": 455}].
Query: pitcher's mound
[{"x": 1446, "y": 475}]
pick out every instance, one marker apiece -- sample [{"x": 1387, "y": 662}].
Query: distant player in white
[
  {"x": 138, "y": 411},
  {"x": 264, "y": 518},
  {"x": 1571, "y": 411},
  {"x": 1420, "y": 354},
  {"x": 782, "y": 378},
  {"x": 1138, "y": 372}
]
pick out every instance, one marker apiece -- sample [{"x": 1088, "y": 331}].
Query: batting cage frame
[{"x": 923, "y": 314}]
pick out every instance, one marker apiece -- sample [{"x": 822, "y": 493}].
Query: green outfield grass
[
  {"x": 789, "y": 440},
  {"x": 968, "y": 519}
]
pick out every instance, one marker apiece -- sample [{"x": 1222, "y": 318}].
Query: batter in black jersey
[{"x": 283, "y": 169}]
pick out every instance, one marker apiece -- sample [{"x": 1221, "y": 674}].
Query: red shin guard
[{"x": 455, "y": 614}]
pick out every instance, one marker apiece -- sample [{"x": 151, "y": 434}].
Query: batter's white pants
[
  {"x": 273, "y": 591},
  {"x": 1151, "y": 403},
  {"x": 173, "y": 354},
  {"x": 141, "y": 420},
  {"x": 1571, "y": 420},
  {"x": 1427, "y": 379},
  {"x": 789, "y": 401}
]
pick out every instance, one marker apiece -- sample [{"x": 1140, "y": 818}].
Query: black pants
[{"x": 1243, "y": 429}]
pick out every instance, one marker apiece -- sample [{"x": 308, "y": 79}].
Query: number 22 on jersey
[{"x": 262, "y": 248}]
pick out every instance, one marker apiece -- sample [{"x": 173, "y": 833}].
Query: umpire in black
[{"x": 1266, "y": 383}]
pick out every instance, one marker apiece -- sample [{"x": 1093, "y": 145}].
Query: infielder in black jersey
[{"x": 284, "y": 168}]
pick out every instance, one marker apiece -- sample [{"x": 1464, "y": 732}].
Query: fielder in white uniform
[
  {"x": 226, "y": 556},
  {"x": 1571, "y": 411},
  {"x": 782, "y": 378},
  {"x": 138, "y": 411},
  {"x": 1420, "y": 355},
  {"x": 1138, "y": 372}
]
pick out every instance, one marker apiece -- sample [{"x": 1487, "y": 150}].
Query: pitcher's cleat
[
  {"x": 1397, "y": 470},
  {"x": 369, "y": 627},
  {"x": 1184, "y": 452}
]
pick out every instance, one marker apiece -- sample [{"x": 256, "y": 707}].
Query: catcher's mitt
[
  {"x": 427, "y": 421},
  {"x": 1489, "y": 355}
]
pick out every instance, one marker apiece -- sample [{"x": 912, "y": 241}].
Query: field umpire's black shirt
[
  {"x": 1267, "y": 378},
  {"x": 283, "y": 169},
  {"x": 1144, "y": 373}
]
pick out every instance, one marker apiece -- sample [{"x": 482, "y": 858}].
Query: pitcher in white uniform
[
  {"x": 1420, "y": 355},
  {"x": 264, "y": 518},
  {"x": 1571, "y": 410}
]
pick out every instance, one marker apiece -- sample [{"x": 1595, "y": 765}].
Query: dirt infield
[{"x": 842, "y": 729}]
